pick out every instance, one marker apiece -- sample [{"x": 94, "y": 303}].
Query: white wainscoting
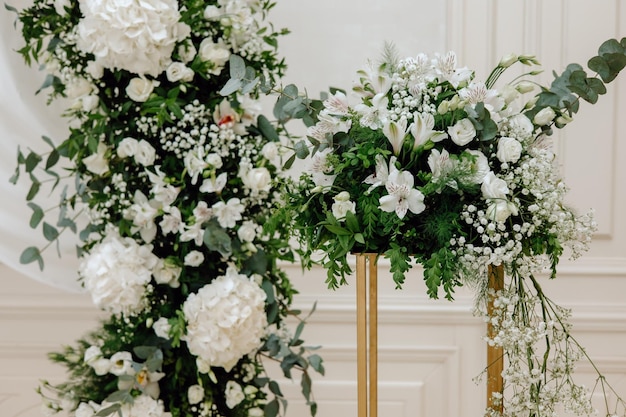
[{"x": 429, "y": 350}]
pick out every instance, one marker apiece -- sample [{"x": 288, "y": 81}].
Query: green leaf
[
  {"x": 237, "y": 67},
  {"x": 301, "y": 149},
  {"x": 231, "y": 86},
  {"x": 37, "y": 215},
  {"x": 338, "y": 230},
  {"x": 268, "y": 287},
  {"x": 315, "y": 361},
  {"x": 31, "y": 162},
  {"x": 249, "y": 86},
  {"x": 108, "y": 410},
  {"x": 216, "y": 239},
  {"x": 305, "y": 383},
  {"x": 144, "y": 352},
  {"x": 50, "y": 232},
  {"x": 31, "y": 254},
  {"x": 291, "y": 91},
  {"x": 275, "y": 388},
  {"x": 271, "y": 408},
  {"x": 53, "y": 158},
  {"x": 48, "y": 141},
  {"x": 267, "y": 129},
  {"x": 352, "y": 222},
  {"x": 34, "y": 188},
  {"x": 289, "y": 163},
  {"x": 10, "y": 8},
  {"x": 122, "y": 396}
]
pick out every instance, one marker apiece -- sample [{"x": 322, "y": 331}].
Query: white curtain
[{"x": 24, "y": 118}]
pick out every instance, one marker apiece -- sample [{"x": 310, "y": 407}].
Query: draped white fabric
[{"x": 24, "y": 118}]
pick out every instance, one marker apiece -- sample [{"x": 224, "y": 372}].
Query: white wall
[{"x": 429, "y": 350}]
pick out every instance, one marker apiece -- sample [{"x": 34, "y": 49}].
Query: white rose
[
  {"x": 89, "y": 103},
  {"x": 195, "y": 394},
  {"x": 167, "y": 273},
  {"x": 509, "y": 149},
  {"x": 194, "y": 258},
  {"x": 97, "y": 162},
  {"x": 146, "y": 154},
  {"x": 258, "y": 180},
  {"x": 162, "y": 328},
  {"x": 94, "y": 69},
  {"x": 247, "y": 231},
  {"x": 494, "y": 187},
  {"x": 342, "y": 205},
  {"x": 462, "y": 132},
  {"x": 500, "y": 210},
  {"x": 234, "y": 394},
  {"x": 211, "y": 12},
  {"x": 78, "y": 87},
  {"x": 544, "y": 117},
  {"x": 127, "y": 147},
  {"x": 270, "y": 151},
  {"x": 178, "y": 71},
  {"x": 139, "y": 89},
  {"x": 216, "y": 53},
  {"x": 522, "y": 126},
  {"x": 187, "y": 51}
]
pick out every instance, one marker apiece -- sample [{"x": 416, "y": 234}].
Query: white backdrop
[{"x": 429, "y": 350}]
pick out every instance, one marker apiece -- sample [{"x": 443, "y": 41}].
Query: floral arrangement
[
  {"x": 435, "y": 166},
  {"x": 168, "y": 183}
]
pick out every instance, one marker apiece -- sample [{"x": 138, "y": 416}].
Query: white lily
[{"x": 395, "y": 132}]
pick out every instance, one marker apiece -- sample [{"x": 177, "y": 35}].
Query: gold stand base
[{"x": 367, "y": 334}]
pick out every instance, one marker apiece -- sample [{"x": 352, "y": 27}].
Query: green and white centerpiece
[
  {"x": 425, "y": 163},
  {"x": 168, "y": 184}
]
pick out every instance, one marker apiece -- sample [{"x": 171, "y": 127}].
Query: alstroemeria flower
[
  {"x": 382, "y": 172},
  {"x": 442, "y": 167},
  {"x": 228, "y": 213},
  {"x": 395, "y": 132},
  {"x": 374, "y": 115},
  {"x": 422, "y": 130},
  {"x": 402, "y": 196},
  {"x": 214, "y": 184}
]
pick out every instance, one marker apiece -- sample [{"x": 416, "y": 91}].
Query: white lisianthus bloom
[
  {"x": 479, "y": 167},
  {"x": 270, "y": 151},
  {"x": 116, "y": 272},
  {"x": 135, "y": 36},
  {"x": 167, "y": 272},
  {"x": 462, "y": 132},
  {"x": 127, "y": 147},
  {"x": 122, "y": 363},
  {"x": 140, "y": 88},
  {"x": 342, "y": 205},
  {"x": 194, "y": 258},
  {"x": 195, "y": 394},
  {"x": 544, "y": 116},
  {"x": 507, "y": 60},
  {"x": 247, "y": 231},
  {"x": 93, "y": 357},
  {"x": 226, "y": 319},
  {"x": 501, "y": 210},
  {"x": 494, "y": 187},
  {"x": 509, "y": 149},
  {"x": 214, "y": 184},
  {"x": 395, "y": 132},
  {"x": 98, "y": 163},
  {"x": 422, "y": 130},
  {"x": 228, "y": 213},
  {"x": 214, "y": 160},
  {"x": 162, "y": 328},
  {"x": 234, "y": 394},
  {"x": 216, "y": 53},
  {"x": 145, "y": 154},
  {"x": 187, "y": 51},
  {"x": 257, "y": 180},
  {"x": 85, "y": 410},
  {"x": 211, "y": 12},
  {"x": 402, "y": 196},
  {"x": 177, "y": 71}
]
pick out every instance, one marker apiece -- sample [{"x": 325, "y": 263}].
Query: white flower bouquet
[
  {"x": 426, "y": 163},
  {"x": 168, "y": 184}
]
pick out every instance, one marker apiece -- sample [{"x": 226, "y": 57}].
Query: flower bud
[
  {"x": 544, "y": 117},
  {"x": 525, "y": 87},
  {"x": 507, "y": 60}
]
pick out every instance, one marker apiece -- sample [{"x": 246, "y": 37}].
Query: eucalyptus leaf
[
  {"x": 237, "y": 67},
  {"x": 267, "y": 129},
  {"x": 34, "y": 188},
  {"x": 31, "y": 162},
  {"x": 289, "y": 163},
  {"x": 301, "y": 149},
  {"x": 271, "y": 408},
  {"x": 108, "y": 410},
  {"x": 50, "y": 232},
  {"x": 52, "y": 159},
  {"x": 31, "y": 254},
  {"x": 316, "y": 361},
  {"x": 231, "y": 86},
  {"x": 37, "y": 215}
]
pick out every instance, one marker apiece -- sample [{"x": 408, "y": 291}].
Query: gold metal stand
[
  {"x": 367, "y": 334},
  {"x": 367, "y": 337},
  {"x": 495, "y": 354}
]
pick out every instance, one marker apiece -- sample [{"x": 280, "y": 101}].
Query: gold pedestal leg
[
  {"x": 495, "y": 354},
  {"x": 367, "y": 336}
]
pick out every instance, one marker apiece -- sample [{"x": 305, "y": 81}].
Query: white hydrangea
[
  {"x": 116, "y": 272},
  {"x": 225, "y": 319},
  {"x": 137, "y": 36}
]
